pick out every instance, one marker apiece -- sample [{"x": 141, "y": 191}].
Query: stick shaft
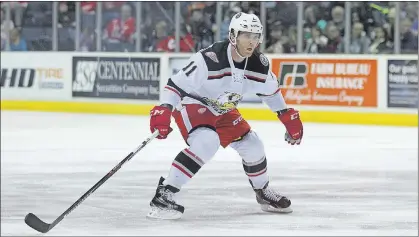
[{"x": 103, "y": 180}]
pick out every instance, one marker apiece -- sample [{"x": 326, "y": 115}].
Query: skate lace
[
  {"x": 169, "y": 196},
  {"x": 271, "y": 194}
]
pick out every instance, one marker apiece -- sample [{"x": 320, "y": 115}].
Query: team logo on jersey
[
  {"x": 264, "y": 60},
  {"x": 212, "y": 56},
  {"x": 202, "y": 110},
  {"x": 293, "y": 75},
  {"x": 224, "y": 103}
]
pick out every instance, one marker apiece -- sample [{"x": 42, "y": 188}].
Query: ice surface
[{"x": 342, "y": 180}]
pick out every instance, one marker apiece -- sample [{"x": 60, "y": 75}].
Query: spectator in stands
[
  {"x": 209, "y": 17},
  {"x": 162, "y": 43},
  {"x": 333, "y": 39},
  {"x": 5, "y": 23},
  {"x": 39, "y": 14},
  {"x": 147, "y": 35},
  {"x": 201, "y": 29},
  {"x": 167, "y": 43},
  {"x": 361, "y": 13},
  {"x": 5, "y": 26},
  {"x": 17, "y": 9},
  {"x": 310, "y": 20},
  {"x": 338, "y": 19},
  {"x": 88, "y": 15},
  {"x": 415, "y": 25},
  {"x": 409, "y": 41},
  {"x": 389, "y": 26},
  {"x": 87, "y": 40},
  {"x": 120, "y": 30},
  {"x": 119, "y": 25},
  {"x": 286, "y": 13},
  {"x": 111, "y": 10},
  {"x": 250, "y": 7},
  {"x": 274, "y": 44},
  {"x": 17, "y": 43},
  {"x": 229, "y": 13},
  {"x": 380, "y": 42},
  {"x": 316, "y": 42},
  {"x": 360, "y": 42},
  {"x": 66, "y": 16},
  {"x": 290, "y": 46},
  {"x": 88, "y": 6},
  {"x": 211, "y": 9},
  {"x": 412, "y": 14},
  {"x": 355, "y": 17}
]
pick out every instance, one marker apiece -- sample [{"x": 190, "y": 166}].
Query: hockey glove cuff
[
  {"x": 160, "y": 120},
  {"x": 291, "y": 120}
]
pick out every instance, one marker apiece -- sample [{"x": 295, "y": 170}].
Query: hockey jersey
[{"x": 211, "y": 78}]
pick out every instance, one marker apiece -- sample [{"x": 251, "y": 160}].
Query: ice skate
[
  {"x": 272, "y": 201},
  {"x": 163, "y": 206}
]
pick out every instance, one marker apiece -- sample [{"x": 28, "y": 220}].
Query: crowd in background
[{"x": 372, "y": 23}]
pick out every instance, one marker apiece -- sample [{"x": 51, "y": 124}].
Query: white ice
[{"x": 342, "y": 180}]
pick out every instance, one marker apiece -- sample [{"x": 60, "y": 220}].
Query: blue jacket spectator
[{"x": 16, "y": 42}]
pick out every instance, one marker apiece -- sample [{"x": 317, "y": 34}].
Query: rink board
[
  {"x": 340, "y": 117},
  {"x": 349, "y": 89}
]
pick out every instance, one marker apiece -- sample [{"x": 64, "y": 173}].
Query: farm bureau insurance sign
[{"x": 334, "y": 82}]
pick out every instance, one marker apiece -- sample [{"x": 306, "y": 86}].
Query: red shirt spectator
[
  {"x": 168, "y": 44},
  {"x": 123, "y": 28},
  {"x": 88, "y": 7},
  {"x": 118, "y": 29},
  {"x": 91, "y": 6}
]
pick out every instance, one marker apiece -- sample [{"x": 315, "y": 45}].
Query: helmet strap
[
  {"x": 237, "y": 51},
  {"x": 234, "y": 44}
]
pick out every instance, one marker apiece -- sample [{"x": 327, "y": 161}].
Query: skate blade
[
  {"x": 158, "y": 213},
  {"x": 269, "y": 208}
]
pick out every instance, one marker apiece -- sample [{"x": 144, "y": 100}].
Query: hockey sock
[
  {"x": 257, "y": 172},
  {"x": 184, "y": 167}
]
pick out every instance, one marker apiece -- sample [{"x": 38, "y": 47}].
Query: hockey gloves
[
  {"x": 160, "y": 120},
  {"x": 291, "y": 120}
]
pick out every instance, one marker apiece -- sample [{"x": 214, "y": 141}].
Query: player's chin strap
[
  {"x": 235, "y": 48},
  {"x": 237, "y": 51},
  {"x": 245, "y": 58}
]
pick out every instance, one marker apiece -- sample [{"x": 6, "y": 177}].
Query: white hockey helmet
[{"x": 245, "y": 23}]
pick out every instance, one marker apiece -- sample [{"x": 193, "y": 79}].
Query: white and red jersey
[{"x": 213, "y": 79}]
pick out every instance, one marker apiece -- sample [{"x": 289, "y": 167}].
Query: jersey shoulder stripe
[
  {"x": 215, "y": 56},
  {"x": 216, "y": 59}
]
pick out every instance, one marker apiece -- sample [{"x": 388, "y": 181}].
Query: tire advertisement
[{"x": 22, "y": 77}]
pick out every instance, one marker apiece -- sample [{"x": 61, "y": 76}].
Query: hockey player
[{"x": 202, "y": 98}]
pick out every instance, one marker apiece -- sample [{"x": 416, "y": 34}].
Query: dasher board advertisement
[
  {"x": 116, "y": 77},
  {"x": 34, "y": 77},
  {"x": 402, "y": 83},
  {"x": 327, "y": 82}
]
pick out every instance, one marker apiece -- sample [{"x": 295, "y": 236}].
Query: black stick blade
[{"x": 36, "y": 223}]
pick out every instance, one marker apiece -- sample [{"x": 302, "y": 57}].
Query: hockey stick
[{"x": 33, "y": 221}]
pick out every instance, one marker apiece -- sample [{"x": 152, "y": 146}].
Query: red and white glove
[
  {"x": 160, "y": 120},
  {"x": 293, "y": 125}
]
